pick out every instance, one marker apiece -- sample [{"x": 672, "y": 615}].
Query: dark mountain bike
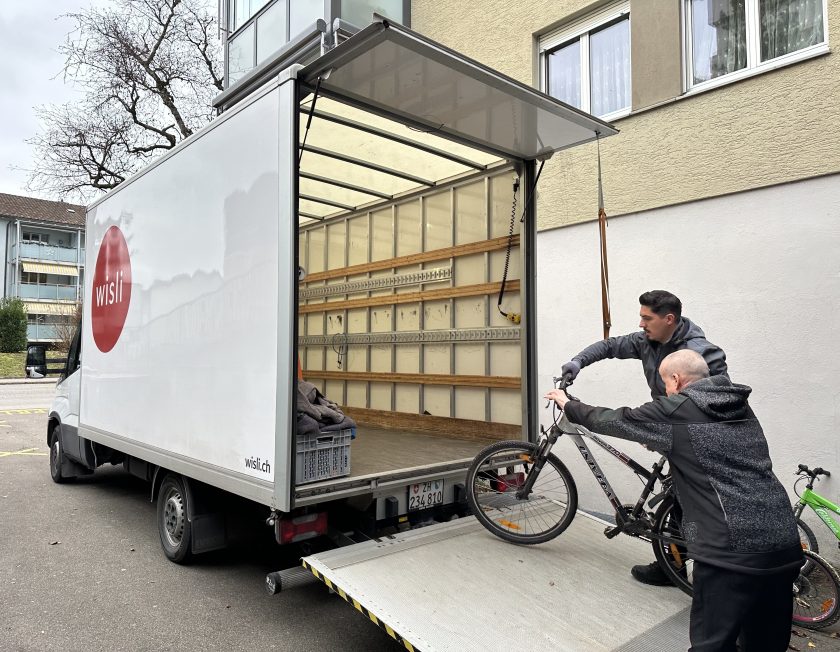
[{"x": 523, "y": 493}]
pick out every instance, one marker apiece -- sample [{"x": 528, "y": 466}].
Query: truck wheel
[
  {"x": 56, "y": 457},
  {"x": 174, "y": 526}
]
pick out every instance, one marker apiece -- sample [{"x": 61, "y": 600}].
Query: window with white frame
[
  {"x": 258, "y": 28},
  {"x": 737, "y": 37},
  {"x": 587, "y": 63}
]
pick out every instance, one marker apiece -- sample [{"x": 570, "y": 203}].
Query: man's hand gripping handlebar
[{"x": 559, "y": 394}]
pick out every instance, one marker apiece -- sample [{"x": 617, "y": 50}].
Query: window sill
[
  {"x": 733, "y": 78},
  {"x": 774, "y": 64},
  {"x": 615, "y": 115}
]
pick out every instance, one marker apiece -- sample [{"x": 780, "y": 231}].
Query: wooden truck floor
[
  {"x": 378, "y": 450},
  {"x": 454, "y": 587}
]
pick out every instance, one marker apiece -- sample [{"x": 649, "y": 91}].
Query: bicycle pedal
[{"x": 612, "y": 532}]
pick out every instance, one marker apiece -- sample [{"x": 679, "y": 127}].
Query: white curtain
[
  {"x": 564, "y": 74},
  {"x": 719, "y": 37},
  {"x": 789, "y": 25},
  {"x": 609, "y": 68}
]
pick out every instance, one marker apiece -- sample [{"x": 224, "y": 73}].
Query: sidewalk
[
  {"x": 826, "y": 640},
  {"x": 27, "y": 381}
]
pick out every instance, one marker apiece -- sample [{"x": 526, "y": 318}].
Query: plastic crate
[{"x": 322, "y": 456}]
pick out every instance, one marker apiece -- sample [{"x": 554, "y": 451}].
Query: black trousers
[{"x": 752, "y": 610}]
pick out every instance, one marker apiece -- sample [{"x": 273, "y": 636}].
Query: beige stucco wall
[{"x": 772, "y": 128}]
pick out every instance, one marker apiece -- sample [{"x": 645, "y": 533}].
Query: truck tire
[
  {"x": 173, "y": 520},
  {"x": 57, "y": 457}
]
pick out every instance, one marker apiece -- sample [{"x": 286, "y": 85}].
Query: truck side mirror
[{"x": 36, "y": 361}]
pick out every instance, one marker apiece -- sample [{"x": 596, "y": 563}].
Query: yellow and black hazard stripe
[{"x": 351, "y": 600}]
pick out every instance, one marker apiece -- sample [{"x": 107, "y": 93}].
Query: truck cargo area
[
  {"x": 570, "y": 594},
  {"x": 415, "y": 219},
  {"x": 396, "y": 322}
]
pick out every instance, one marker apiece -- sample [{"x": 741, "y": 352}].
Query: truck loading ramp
[{"x": 452, "y": 587}]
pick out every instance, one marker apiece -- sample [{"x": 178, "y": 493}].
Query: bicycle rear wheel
[
  {"x": 816, "y": 595},
  {"x": 495, "y": 477},
  {"x": 672, "y": 555}
]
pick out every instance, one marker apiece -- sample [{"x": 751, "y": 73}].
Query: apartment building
[
  {"x": 258, "y": 30},
  {"x": 44, "y": 260},
  {"x": 723, "y": 187}
]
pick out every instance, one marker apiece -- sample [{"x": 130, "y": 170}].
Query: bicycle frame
[
  {"x": 651, "y": 476},
  {"x": 821, "y": 507}
]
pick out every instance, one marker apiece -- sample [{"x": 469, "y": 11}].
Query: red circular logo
[{"x": 111, "y": 290}]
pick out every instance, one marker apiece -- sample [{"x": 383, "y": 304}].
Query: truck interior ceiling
[{"x": 404, "y": 238}]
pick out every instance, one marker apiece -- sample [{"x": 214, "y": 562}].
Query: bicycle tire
[
  {"x": 672, "y": 558},
  {"x": 816, "y": 595},
  {"x": 808, "y": 541},
  {"x": 492, "y": 496}
]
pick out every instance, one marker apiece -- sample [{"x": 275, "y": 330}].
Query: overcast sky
[{"x": 30, "y": 70}]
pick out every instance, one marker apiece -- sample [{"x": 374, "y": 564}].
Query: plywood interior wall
[{"x": 437, "y": 345}]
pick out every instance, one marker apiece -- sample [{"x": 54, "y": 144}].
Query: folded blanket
[
  {"x": 312, "y": 402},
  {"x": 306, "y": 425},
  {"x": 345, "y": 424}
]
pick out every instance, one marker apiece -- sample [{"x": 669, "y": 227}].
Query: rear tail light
[{"x": 300, "y": 528}]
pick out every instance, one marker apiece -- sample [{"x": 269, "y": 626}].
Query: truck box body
[
  {"x": 193, "y": 378},
  {"x": 352, "y": 220}
]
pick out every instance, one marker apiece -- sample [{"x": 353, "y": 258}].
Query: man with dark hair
[
  {"x": 664, "y": 331},
  {"x": 739, "y": 527}
]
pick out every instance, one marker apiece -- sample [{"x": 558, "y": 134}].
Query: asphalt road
[
  {"x": 81, "y": 569},
  {"x": 26, "y": 395}
]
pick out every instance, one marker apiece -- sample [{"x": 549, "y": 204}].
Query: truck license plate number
[{"x": 425, "y": 494}]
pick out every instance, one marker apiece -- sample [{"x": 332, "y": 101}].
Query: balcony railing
[
  {"x": 53, "y": 292},
  {"x": 41, "y": 251},
  {"x": 36, "y": 332}
]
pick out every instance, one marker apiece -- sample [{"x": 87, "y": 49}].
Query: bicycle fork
[{"x": 539, "y": 459}]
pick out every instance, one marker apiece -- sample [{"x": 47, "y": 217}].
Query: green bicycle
[
  {"x": 817, "y": 589},
  {"x": 821, "y": 506}
]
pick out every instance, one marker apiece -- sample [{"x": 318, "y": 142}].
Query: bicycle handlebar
[
  {"x": 803, "y": 469},
  {"x": 564, "y": 381}
]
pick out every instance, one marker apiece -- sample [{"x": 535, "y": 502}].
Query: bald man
[{"x": 739, "y": 527}]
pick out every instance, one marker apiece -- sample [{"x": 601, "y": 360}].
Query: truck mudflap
[{"x": 455, "y": 587}]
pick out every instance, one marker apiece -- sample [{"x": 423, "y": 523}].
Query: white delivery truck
[{"x": 347, "y": 228}]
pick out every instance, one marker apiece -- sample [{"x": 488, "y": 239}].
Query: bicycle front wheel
[
  {"x": 808, "y": 542},
  {"x": 494, "y": 482},
  {"x": 816, "y": 595}
]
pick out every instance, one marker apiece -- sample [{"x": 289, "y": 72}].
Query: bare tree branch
[{"x": 147, "y": 71}]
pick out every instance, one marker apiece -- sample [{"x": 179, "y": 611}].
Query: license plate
[{"x": 425, "y": 494}]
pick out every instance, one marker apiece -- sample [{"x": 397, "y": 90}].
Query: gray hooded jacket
[
  {"x": 736, "y": 513},
  {"x": 636, "y": 345}
]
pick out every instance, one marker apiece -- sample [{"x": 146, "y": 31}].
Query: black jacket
[
  {"x": 636, "y": 345},
  {"x": 736, "y": 513}
]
